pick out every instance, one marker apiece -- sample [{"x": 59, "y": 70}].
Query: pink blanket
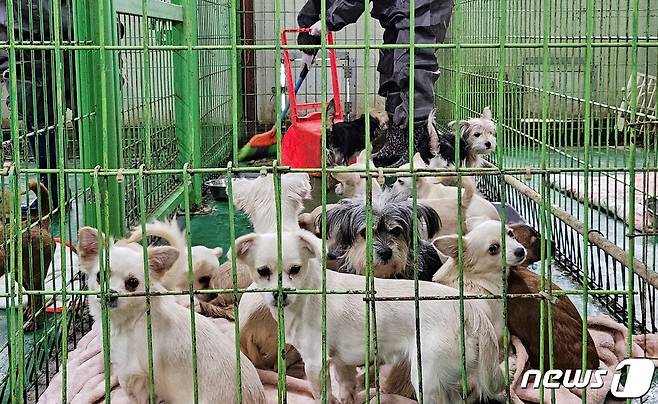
[
  {"x": 85, "y": 378},
  {"x": 612, "y": 193}
]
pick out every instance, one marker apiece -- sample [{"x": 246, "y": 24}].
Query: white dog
[
  {"x": 256, "y": 198},
  {"x": 441, "y": 359},
  {"x": 481, "y": 262},
  {"x": 171, "y": 331}
]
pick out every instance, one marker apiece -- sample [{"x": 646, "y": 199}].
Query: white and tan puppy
[
  {"x": 256, "y": 198},
  {"x": 171, "y": 332},
  {"x": 441, "y": 362},
  {"x": 205, "y": 261},
  {"x": 352, "y": 184}
]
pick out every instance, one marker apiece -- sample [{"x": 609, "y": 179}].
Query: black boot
[{"x": 395, "y": 150}]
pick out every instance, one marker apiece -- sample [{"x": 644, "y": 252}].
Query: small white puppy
[
  {"x": 352, "y": 184},
  {"x": 441, "y": 361},
  {"x": 171, "y": 332},
  {"x": 256, "y": 198}
]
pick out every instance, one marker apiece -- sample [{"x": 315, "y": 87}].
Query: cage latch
[{"x": 552, "y": 299}]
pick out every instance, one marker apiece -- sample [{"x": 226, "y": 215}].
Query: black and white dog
[{"x": 346, "y": 139}]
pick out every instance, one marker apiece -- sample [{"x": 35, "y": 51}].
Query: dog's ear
[
  {"x": 87, "y": 246},
  {"x": 361, "y": 158},
  {"x": 430, "y": 217},
  {"x": 162, "y": 258},
  {"x": 486, "y": 113},
  {"x": 243, "y": 245},
  {"x": 218, "y": 252},
  {"x": 298, "y": 185},
  {"x": 344, "y": 178},
  {"x": 418, "y": 161},
  {"x": 474, "y": 221},
  {"x": 310, "y": 243},
  {"x": 331, "y": 114},
  {"x": 448, "y": 245}
]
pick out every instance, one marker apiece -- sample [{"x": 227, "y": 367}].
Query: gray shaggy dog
[{"x": 392, "y": 236}]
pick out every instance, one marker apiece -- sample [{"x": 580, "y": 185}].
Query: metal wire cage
[{"x": 122, "y": 108}]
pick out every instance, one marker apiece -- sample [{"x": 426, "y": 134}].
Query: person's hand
[
  {"x": 308, "y": 59},
  {"x": 316, "y": 29}
]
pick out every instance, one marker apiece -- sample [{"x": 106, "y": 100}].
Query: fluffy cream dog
[
  {"x": 256, "y": 198},
  {"x": 395, "y": 321},
  {"x": 171, "y": 331}
]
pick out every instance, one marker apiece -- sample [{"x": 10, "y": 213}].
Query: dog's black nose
[
  {"x": 488, "y": 145},
  {"x": 520, "y": 252},
  {"x": 113, "y": 300},
  {"x": 385, "y": 253},
  {"x": 284, "y": 300}
]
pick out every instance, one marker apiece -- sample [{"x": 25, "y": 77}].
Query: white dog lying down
[
  {"x": 171, "y": 331},
  {"x": 441, "y": 358},
  {"x": 431, "y": 188}
]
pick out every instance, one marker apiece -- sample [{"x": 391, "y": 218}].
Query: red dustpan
[{"x": 302, "y": 143}]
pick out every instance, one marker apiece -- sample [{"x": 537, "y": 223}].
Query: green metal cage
[{"x": 144, "y": 100}]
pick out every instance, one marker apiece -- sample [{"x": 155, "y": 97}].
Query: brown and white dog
[{"x": 524, "y": 314}]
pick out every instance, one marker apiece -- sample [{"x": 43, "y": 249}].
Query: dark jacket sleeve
[{"x": 339, "y": 14}]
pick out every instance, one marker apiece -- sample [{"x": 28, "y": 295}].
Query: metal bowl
[{"x": 218, "y": 186}]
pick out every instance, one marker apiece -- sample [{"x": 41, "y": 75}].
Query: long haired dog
[
  {"x": 478, "y": 138},
  {"x": 524, "y": 314},
  {"x": 346, "y": 139},
  {"x": 352, "y": 184},
  {"x": 171, "y": 331},
  {"x": 256, "y": 198},
  {"x": 392, "y": 220},
  {"x": 205, "y": 261},
  {"x": 396, "y": 324}
]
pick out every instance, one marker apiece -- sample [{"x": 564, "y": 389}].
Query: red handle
[{"x": 290, "y": 82}]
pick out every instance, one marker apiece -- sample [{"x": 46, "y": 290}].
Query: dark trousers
[{"x": 432, "y": 18}]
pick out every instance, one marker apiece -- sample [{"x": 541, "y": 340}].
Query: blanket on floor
[
  {"x": 85, "y": 377},
  {"x": 612, "y": 192}
]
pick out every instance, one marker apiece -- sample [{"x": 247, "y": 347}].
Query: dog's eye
[
  {"x": 294, "y": 270},
  {"x": 396, "y": 231},
  {"x": 494, "y": 248},
  {"x": 264, "y": 271},
  {"x": 477, "y": 134},
  {"x": 362, "y": 232},
  {"x": 204, "y": 280},
  {"x": 132, "y": 283},
  {"x": 510, "y": 233}
]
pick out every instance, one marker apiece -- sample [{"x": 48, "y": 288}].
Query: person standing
[{"x": 432, "y": 18}]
